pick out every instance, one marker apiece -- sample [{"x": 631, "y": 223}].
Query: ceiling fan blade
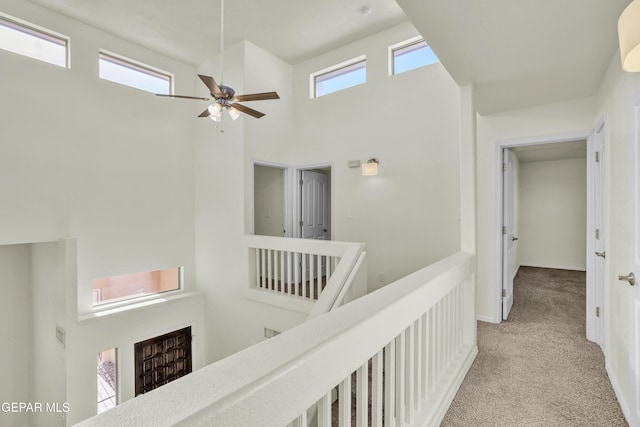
[
  {"x": 247, "y": 110},
  {"x": 182, "y": 96},
  {"x": 256, "y": 96},
  {"x": 205, "y": 113},
  {"x": 212, "y": 85}
]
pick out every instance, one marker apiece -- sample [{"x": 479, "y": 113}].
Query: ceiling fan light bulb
[
  {"x": 214, "y": 109},
  {"x": 234, "y": 113},
  {"x": 216, "y": 117}
]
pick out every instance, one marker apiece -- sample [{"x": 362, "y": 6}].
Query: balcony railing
[
  {"x": 305, "y": 271},
  {"x": 415, "y": 339}
]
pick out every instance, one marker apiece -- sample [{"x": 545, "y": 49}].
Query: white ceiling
[
  {"x": 547, "y": 152},
  {"x": 189, "y": 30},
  {"x": 521, "y": 53},
  {"x": 517, "y": 53}
]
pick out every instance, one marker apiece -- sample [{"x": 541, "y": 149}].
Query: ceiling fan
[{"x": 224, "y": 96}]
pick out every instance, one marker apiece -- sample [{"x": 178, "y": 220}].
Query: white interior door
[
  {"x": 599, "y": 243},
  {"x": 634, "y": 300},
  {"x": 314, "y": 202},
  {"x": 508, "y": 238},
  {"x": 313, "y": 212}
]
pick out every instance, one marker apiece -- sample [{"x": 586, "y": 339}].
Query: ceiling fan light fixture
[
  {"x": 234, "y": 113},
  {"x": 629, "y": 37},
  {"x": 215, "y": 109}
]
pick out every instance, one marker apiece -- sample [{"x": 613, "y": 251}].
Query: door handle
[
  {"x": 601, "y": 254},
  {"x": 631, "y": 278},
  {"x": 514, "y": 238}
]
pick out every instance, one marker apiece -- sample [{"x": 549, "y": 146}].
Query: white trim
[
  {"x": 486, "y": 319},
  {"x": 616, "y": 389},
  {"x": 296, "y": 196},
  {"x": 137, "y": 64},
  {"x": 344, "y": 64},
  {"x": 275, "y": 299},
  {"x": 394, "y": 47},
  {"x": 286, "y": 171},
  {"x": 498, "y": 203}
]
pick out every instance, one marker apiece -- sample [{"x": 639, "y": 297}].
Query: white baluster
[
  {"x": 324, "y": 411},
  {"x": 312, "y": 272},
  {"x": 319, "y": 281},
  {"x": 263, "y": 270},
  {"x": 389, "y": 384},
  {"x": 376, "y": 389},
  {"x": 257, "y": 253},
  {"x": 419, "y": 344},
  {"x": 362, "y": 395},
  {"x": 301, "y": 421},
  {"x": 282, "y": 272},
  {"x": 303, "y": 272},
  {"x": 400, "y": 379},
  {"x": 269, "y": 269},
  {"x": 433, "y": 347},
  {"x": 296, "y": 271},
  {"x": 409, "y": 374},
  {"x": 344, "y": 403},
  {"x": 426, "y": 348}
]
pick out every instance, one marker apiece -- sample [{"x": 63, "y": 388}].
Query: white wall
[
  {"x": 618, "y": 93},
  {"x": 109, "y": 166},
  {"x": 408, "y": 215},
  {"x": 223, "y": 171},
  {"x": 268, "y": 205},
  {"x": 536, "y": 123},
  {"x": 48, "y": 360},
  {"x": 15, "y": 318},
  {"x": 553, "y": 214}
]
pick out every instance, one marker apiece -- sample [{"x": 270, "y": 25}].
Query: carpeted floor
[{"x": 537, "y": 368}]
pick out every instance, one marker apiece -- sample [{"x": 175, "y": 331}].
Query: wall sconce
[
  {"x": 371, "y": 167},
  {"x": 629, "y": 37}
]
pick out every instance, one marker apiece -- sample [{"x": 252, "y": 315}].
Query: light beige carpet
[{"x": 537, "y": 368}]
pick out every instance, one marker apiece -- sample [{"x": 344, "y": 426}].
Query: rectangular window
[
  {"x": 131, "y": 73},
  {"x": 128, "y": 286},
  {"x": 26, "y": 39},
  {"x": 342, "y": 76},
  {"x": 107, "y": 386},
  {"x": 409, "y": 55}
]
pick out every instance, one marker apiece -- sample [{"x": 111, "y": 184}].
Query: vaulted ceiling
[{"x": 516, "y": 53}]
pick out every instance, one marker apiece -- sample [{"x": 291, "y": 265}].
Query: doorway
[
  {"x": 314, "y": 202},
  {"x": 547, "y": 205},
  {"x": 270, "y": 215}
]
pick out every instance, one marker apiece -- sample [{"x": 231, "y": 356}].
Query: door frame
[
  {"x": 296, "y": 195},
  {"x": 286, "y": 174},
  {"x": 499, "y": 208}
]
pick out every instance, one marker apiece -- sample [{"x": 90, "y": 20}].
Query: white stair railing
[
  {"x": 306, "y": 270},
  {"x": 420, "y": 331}
]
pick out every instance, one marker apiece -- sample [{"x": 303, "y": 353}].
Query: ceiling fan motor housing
[{"x": 227, "y": 92}]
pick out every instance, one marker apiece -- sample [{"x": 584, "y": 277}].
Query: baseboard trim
[
  {"x": 616, "y": 389},
  {"x": 554, "y": 267},
  {"x": 442, "y": 398},
  {"x": 486, "y": 319}
]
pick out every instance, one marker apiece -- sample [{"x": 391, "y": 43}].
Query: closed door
[
  {"x": 313, "y": 211},
  {"x": 162, "y": 359},
  {"x": 633, "y": 290},
  {"x": 508, "y": 237}
]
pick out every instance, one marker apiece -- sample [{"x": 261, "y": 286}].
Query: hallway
[{"x": 537, "y": 368}]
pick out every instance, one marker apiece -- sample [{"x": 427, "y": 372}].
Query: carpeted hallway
[{"x": 537, "y": 368}]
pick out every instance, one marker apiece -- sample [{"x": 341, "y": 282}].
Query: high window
[
  {"x": 27, "y": 39},
  {"x": 409, "y": 55},
  {"x": 131, "y": 73},
  {"x": 128, "y": 286},
  {"x": 341, "y": 76}
]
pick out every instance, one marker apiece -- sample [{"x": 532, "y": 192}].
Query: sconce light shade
[
  {"x": 371, "y": 167},
  {"x": 629, "y": 37}
]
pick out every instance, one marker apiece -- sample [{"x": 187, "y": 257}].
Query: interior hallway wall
[
  {"x": 553, "y": 214},
  {"x": 15, "y": 318},
  {"x": 268, "y": 205},
  {"x": 535, "y": 122}
]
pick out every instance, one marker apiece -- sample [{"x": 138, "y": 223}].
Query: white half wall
[{"x": 553, "y": 214}]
